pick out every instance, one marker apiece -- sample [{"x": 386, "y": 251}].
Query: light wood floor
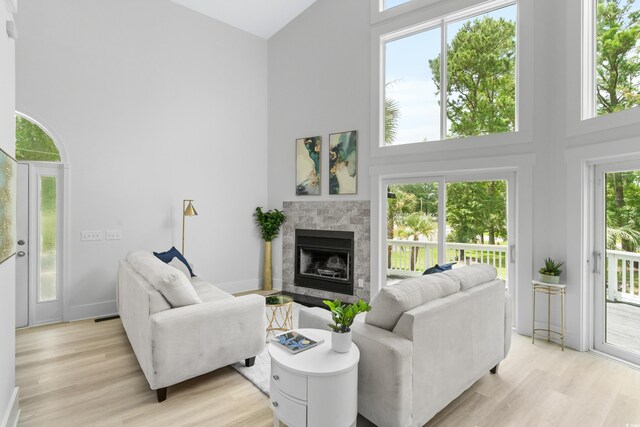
[{"x": 85, "y": 373}]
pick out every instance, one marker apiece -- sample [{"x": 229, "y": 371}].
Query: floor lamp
[{"x": 187, "y": 210}]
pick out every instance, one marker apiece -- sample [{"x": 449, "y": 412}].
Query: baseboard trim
[
  {"x": 91, "y": 311},
  {"x": 239, "y": 286},
  {"x": 13, "y": 414}
]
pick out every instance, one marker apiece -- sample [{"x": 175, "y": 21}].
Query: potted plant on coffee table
[
  {"x": 550, "y": 273},
  {"x": 343, "y": 316},
  {"x": 269, "y": 223}
]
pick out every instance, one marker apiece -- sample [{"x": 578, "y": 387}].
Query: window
[
  {"x": 388, "y": 4},
  {"x": 48, "y": 239},
  {"x": 33, "y": 143},
  {"x": 446, "y": 220},
  {"x": 472, "y": 74},
  {"x": 615, "y": 85}
]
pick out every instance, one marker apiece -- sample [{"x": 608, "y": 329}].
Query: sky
[
  {"x": 388, "y": 4},
  {"x": 409, "y": 78}
]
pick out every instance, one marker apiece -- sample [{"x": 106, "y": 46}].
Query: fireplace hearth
[{"x": 324, "y": 260}]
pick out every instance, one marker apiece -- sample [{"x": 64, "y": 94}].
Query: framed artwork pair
[{"x": 343, "y": 164}]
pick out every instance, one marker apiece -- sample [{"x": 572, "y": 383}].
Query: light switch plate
[
  {"x": 89, "y": 236},
  {"x": 113, "y": 234}
]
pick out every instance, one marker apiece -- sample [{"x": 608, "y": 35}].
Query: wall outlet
[
  {"x": 361, "y": 283},
  {"x": 113, "y": 235},
  {"x": 88, "y": 236}
]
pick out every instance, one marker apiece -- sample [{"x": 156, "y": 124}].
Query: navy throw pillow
[
  {"x": 438, "y": 268},
  {"x": 172, "y": 253}
]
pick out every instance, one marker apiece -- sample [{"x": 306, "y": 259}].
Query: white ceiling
[{"x": 263, "y": 18}]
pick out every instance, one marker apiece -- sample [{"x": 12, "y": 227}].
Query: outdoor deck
[{"x": 623, "y": 326}]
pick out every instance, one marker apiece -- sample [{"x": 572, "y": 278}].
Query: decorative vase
[
  {"x": 341, "y": 342},
  {"x": 546, "y": 278},
  {"x": 267, "y": 283}
]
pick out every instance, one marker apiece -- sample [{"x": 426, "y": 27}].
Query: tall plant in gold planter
[{"x": 269, "y": 223}]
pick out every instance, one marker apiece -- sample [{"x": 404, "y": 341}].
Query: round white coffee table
[{"x": 316, "y": 387}]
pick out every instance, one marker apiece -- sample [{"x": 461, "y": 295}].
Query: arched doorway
[{"x": 40, "y": 225}]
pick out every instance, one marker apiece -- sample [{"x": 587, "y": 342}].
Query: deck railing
[
  {"x": 623, "y": 281},
  {"x": 411, "y": 258}
]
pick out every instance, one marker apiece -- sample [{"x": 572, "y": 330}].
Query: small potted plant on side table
[
  {"x": 550, "y": 273},
  {"x": 343, "y": 316}
]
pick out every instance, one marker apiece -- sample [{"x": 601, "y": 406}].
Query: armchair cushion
[
  {"x": 473, "y": 275},
  {"x": 208, "y": 292},
  {"x": 170, "y": 282},
  {"x": 179, "y": 265},
  {"x": 392, "y": 301}
]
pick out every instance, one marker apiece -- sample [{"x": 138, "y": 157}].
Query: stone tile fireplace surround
[{"x": 328, "y": 215}]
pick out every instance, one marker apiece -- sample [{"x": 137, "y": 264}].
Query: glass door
[
  {"x": 413, "y": 228},
  {"x": 456, "y": 220},
  {"x": 616, "y": 263},
  {"x": 479, "y": 218}
]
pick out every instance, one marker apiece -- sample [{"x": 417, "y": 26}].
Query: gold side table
[
  {"x": 279, "y": 313},
  {"x": 548, "y": 289}
]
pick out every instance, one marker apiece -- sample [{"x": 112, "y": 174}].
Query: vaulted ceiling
[{"x": 263, "y": 18}]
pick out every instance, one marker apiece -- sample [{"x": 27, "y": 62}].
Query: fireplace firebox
[{"x": 324, "y": 260}]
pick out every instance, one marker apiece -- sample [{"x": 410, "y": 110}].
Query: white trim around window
[{"x": 420, "y": 19}]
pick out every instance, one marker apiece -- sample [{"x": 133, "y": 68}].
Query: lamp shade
[{"x": 190, "y": 210}]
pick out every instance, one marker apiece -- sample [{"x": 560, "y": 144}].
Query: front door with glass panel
[
  {"x": 38, "y": 284},
  {"x": 616, "y": 260}
]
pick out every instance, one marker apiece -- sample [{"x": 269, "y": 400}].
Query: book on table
[{"x": 295, "y": 342}]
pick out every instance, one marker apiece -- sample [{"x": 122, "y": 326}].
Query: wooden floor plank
[{"x": 85, "y": 374}]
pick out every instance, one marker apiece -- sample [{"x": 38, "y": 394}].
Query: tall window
[
  {"x": 617, "y": 34},
  {"x": 463, "y": 87}
]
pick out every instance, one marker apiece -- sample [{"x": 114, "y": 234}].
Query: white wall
[
  {"x": 153, "y": 103},
  {"x": 319, "y": 77},
  {"x": 7, "y": 268}
]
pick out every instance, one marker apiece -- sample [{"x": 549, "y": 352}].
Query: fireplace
[{"x": 324, "y": 260}]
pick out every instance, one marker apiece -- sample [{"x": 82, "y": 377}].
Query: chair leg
[
  {"x": 494, "y": 370},
  {"x": 250, "y": 361},
  {"x": 162, "y": 394}
]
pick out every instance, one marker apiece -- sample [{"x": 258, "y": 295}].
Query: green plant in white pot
[
  {"x": 550, "y": 273},
  {"x": 343, "y": 316}
]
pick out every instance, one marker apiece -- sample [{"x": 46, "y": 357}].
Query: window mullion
[
  {"x": 443, "y": 80},
  {"x": 442, "y": 220}
]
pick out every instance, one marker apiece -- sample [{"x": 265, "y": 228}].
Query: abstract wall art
[
  {"x": 308, "y": 166},
  {"x": 343, "y": 163},
  {"x": 8, "y": 172}
]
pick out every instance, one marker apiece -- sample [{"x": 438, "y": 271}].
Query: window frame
[
  {"x": 378, "y": 13},
  {"x": 589, "y": 54},
  {"x": 589, "y": 75},
  {"x": 445, "y": 12}
]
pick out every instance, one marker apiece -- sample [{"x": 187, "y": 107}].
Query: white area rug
[{"x": 260, "y": 373}]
